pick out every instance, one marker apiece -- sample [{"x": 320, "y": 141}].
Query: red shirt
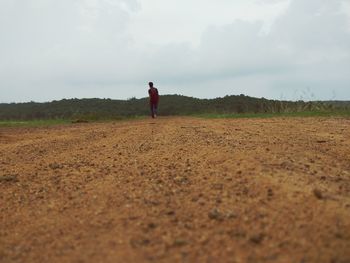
[{"x": 153, "y": 95}]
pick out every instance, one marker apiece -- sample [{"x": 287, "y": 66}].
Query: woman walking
[{"x": 153, "y": 99}]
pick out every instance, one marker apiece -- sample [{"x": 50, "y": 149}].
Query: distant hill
[
  {"x": 169, "y": 105},
  {"x": 338, "y": 103}
]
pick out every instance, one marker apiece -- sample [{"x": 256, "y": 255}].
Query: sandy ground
[{"x": 177, "y": 190}]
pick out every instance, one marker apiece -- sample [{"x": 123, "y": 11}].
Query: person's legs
[
  {"x": 152, "y": 109},
  {"x": 155, "y": 110}
]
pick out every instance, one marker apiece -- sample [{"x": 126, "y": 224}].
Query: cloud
[
  {"x": 57, "y": 44},
  {"x": 306, "y": 49},
  {"x": 92, "y": 48}
]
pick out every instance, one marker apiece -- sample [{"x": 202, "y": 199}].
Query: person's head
[{"x": 150, "y": 84}]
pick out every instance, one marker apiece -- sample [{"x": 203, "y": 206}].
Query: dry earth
[{"x": 177, "y": 190}]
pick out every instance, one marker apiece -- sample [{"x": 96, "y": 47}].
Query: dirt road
[{"x": 177, "y": 190}]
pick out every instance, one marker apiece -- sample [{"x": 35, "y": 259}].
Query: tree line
[{"x": 168, "y": 105}]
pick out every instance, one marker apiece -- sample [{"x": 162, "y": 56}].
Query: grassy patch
[
  {"x": 51, "y": 122},
  {"x": 345, "y": 114},
  {"x": 45, "y": 123}
]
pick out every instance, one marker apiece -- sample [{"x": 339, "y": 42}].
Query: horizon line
[{"x": 140, "y": 98}]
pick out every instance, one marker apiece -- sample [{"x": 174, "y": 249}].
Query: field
[{"x": 177, "y": 190}]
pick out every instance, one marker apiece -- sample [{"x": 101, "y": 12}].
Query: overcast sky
[{"x": 281, "y": 49}]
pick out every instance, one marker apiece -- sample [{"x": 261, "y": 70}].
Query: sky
[{"x": 277, "y": 49}]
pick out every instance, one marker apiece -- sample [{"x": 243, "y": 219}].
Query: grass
[
  {"x": 51, "y": 122},
  {"x": 345, "y": 114}
]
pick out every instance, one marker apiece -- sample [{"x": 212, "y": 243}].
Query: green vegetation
[
  {"x": 51, "y": 122},
  {"x": 82, "y": 110},
  {"x": 335, "y": 113}
]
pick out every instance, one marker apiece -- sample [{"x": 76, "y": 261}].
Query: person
[{"x": 153, "y": 99}]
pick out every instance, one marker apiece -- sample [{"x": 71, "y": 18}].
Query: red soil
[{"x": 177, "y": 190}]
